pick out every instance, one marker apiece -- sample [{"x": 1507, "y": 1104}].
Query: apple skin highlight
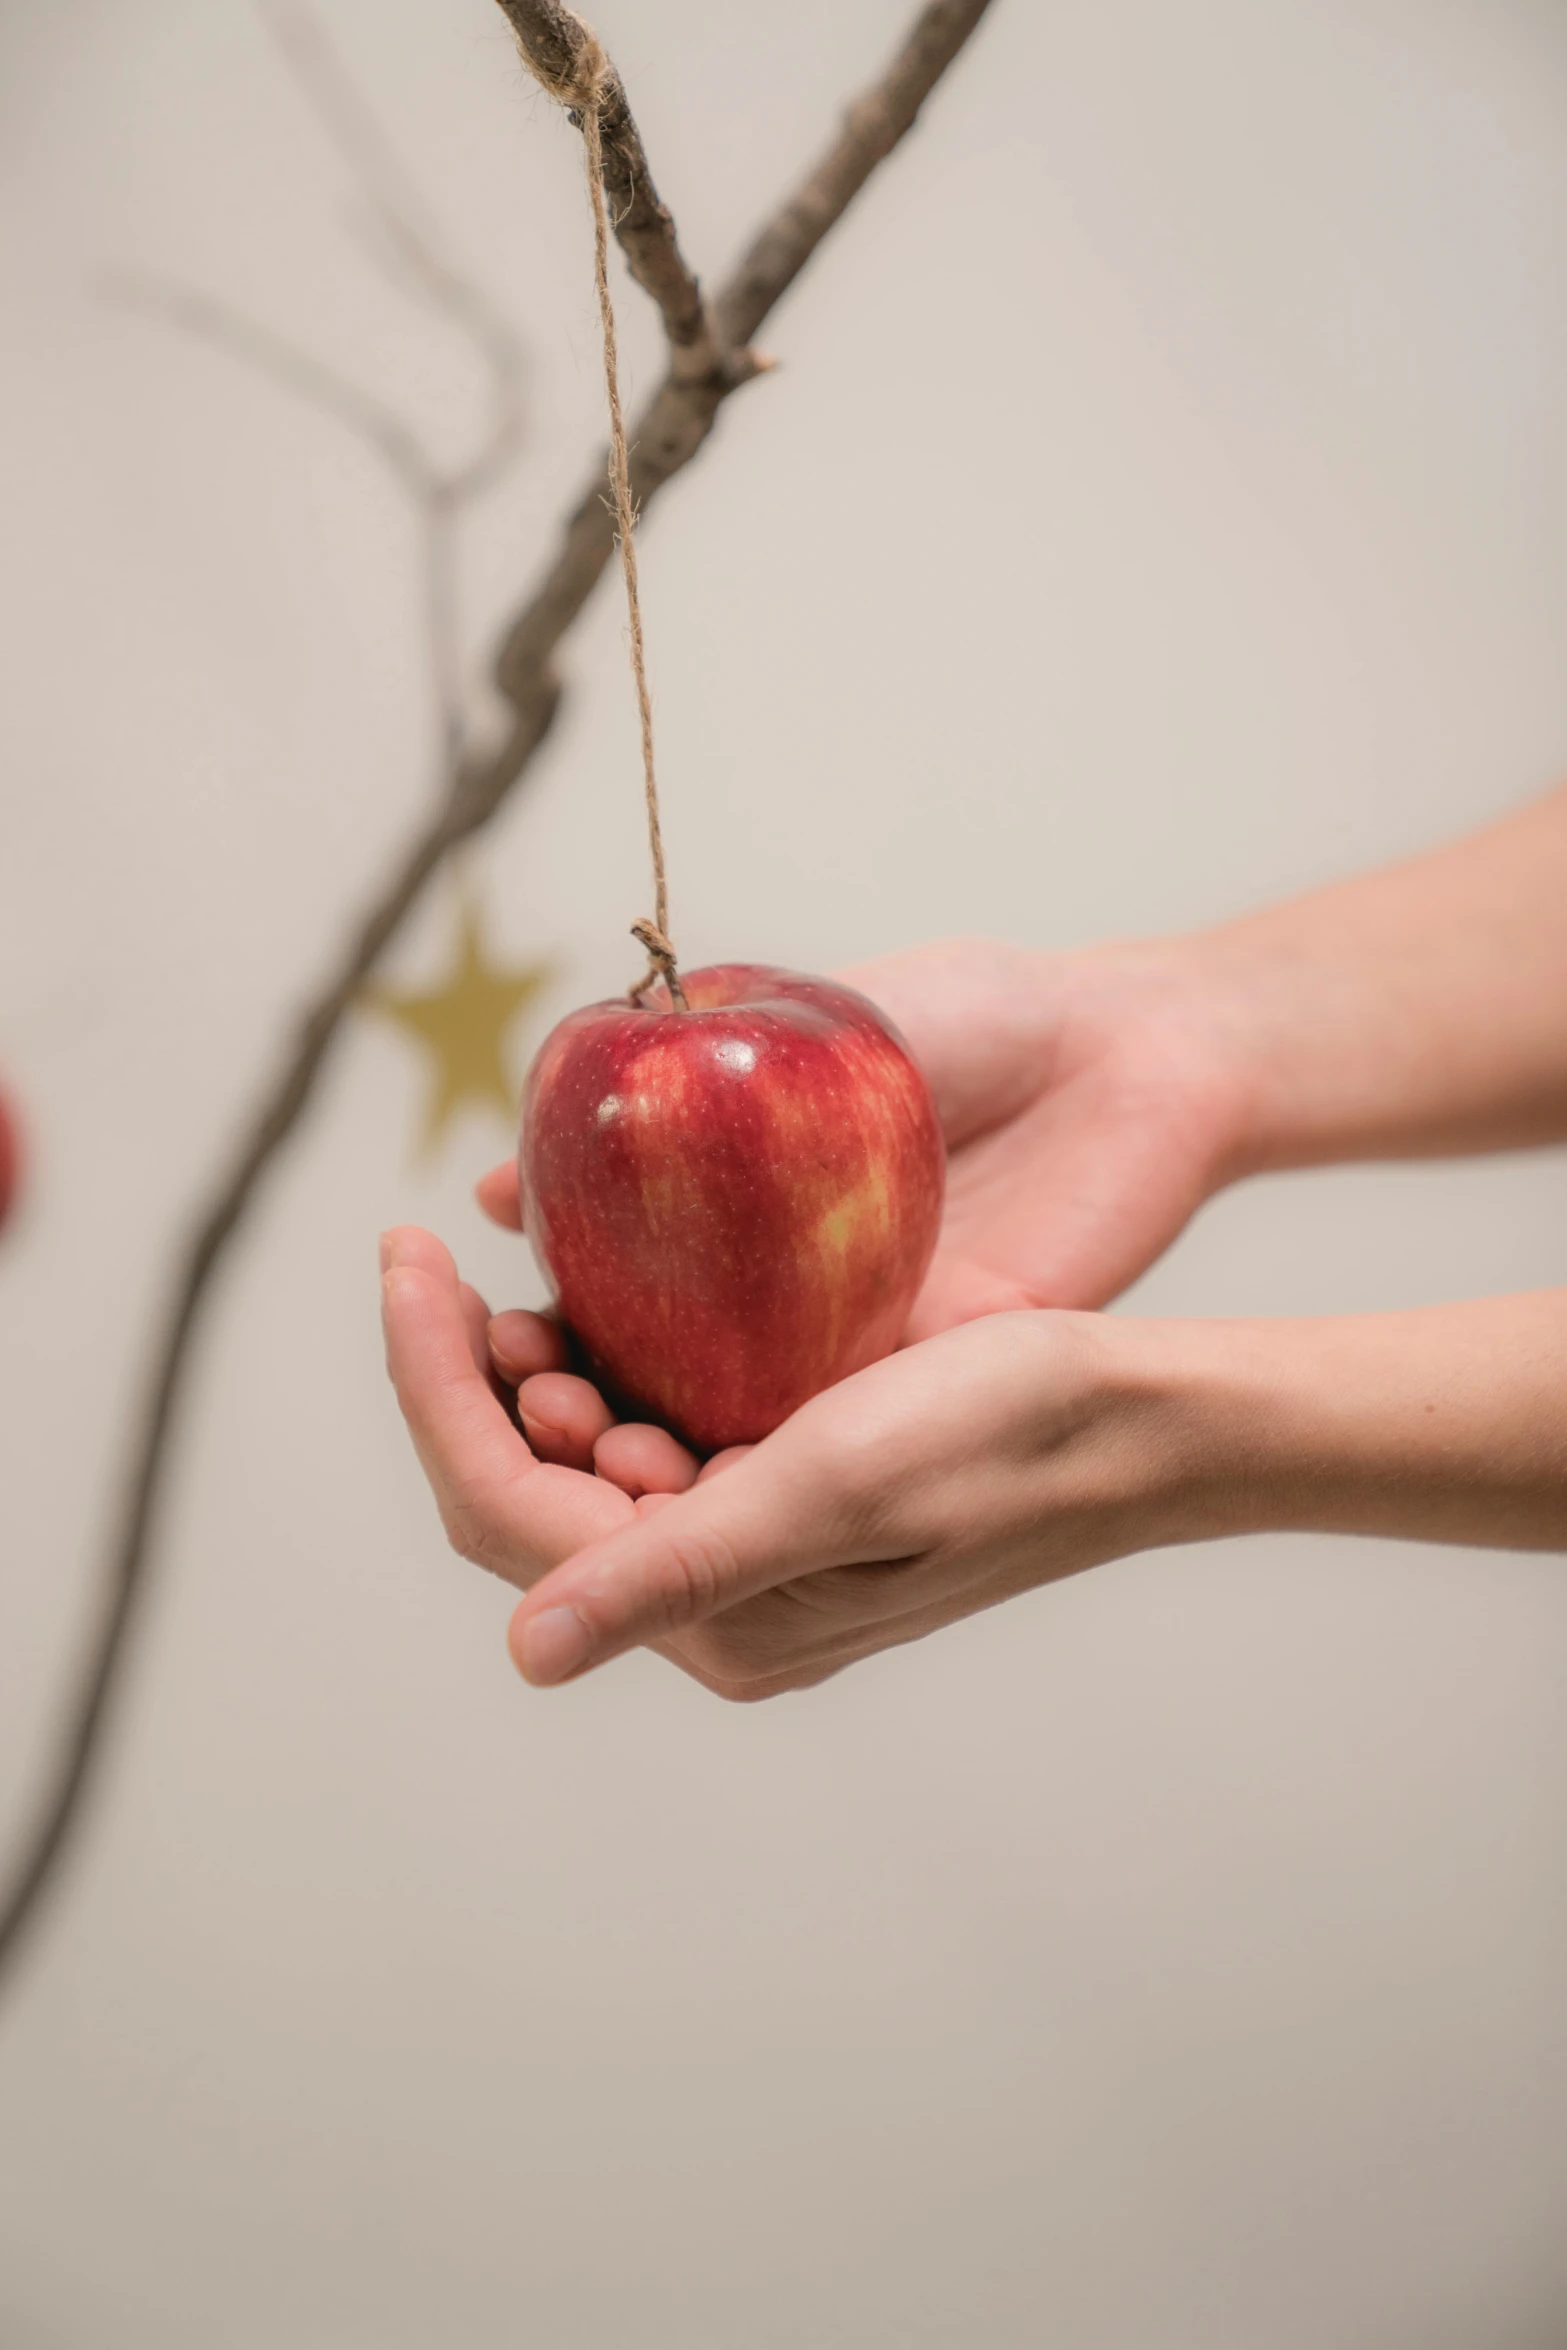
[{"x": 734, "y": 1204}]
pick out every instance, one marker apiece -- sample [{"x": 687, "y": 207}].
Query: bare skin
[{"x": 1091, "y": 1104}]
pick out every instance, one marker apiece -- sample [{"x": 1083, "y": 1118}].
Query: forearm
[
  {"x": 1417, "y": 1011},
  {"x": 1447, "y": 1425}
]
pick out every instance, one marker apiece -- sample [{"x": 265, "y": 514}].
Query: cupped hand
[
  {"x": 1090, "y": 1103},
  {"x": 948, "y": 1477}
]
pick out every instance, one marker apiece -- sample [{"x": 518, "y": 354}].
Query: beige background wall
[{"x": 1163, "y": 505}]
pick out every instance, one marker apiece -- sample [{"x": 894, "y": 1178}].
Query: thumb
[
  {"x": 762, "y": 1522},
  {"x": 498, "y": 1196}
]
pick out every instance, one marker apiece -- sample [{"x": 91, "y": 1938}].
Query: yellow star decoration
[{"x": 464, "y": 1026}]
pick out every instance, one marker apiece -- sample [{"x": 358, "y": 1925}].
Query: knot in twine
[
  {"x": 661, "y": 965},
  {"x": 581, "y": 89}
]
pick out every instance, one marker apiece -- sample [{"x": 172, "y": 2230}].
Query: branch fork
[{"x": 710, "y": 356}]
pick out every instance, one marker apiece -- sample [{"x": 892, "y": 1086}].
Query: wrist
[
  {"x": 1205, "y": 1429},
  {"x": 1299, "y": 1029},
  {"x": 1300, "y": 1040},
  {"x": 1446, "y": 1424},
  {"x": 1188, "y": 1014},
  {"x": 1168, "y": 1432},
  {"x": 1215, "y": 1428},
  {"x": 1306, "y": 1035}
]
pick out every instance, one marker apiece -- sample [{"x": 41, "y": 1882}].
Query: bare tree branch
[
  {"x": 673, "y": 428},
  {"x": 283, "y": 362},
  {"x": 873, "y": 125},
  {"x": 554, "y": 42},
  {"x": 408, "y": 239},
  {"x": 409, "y": 234}
]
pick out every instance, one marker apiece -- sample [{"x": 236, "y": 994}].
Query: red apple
[
  {"x": 10, "y": 1157},
  {"x": 735, "y": 1203}
]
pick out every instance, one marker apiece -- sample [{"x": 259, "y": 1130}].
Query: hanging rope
[{"x": 583, "y": 94}]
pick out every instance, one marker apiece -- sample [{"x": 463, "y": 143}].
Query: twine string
[{"x": 585, "y": 97}]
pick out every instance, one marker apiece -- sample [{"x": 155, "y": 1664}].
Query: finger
[
  {"x": 498, "y": 1504},
  {"x": 476, "y": 1317},
  {"x": 498, "y": 1195},
  {"x": 723, "y": 1460},
  {"x": 644, "y": 1460},
  {"x": 522, "y": 1344},
  {"x": 459, "y": 1429},
  {"x": 771, "y": 1657},
  {"x": 765, "y": 1520},
  {"x": 562, "y": 1417},
  {"x": 958, "y": 1290}
]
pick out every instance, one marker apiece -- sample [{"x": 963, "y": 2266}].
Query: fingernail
[
  {"x": 386, "y": 1250},
  {"x": 555, "y": 1645},
  {"x": 545, "y": 1443}
]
